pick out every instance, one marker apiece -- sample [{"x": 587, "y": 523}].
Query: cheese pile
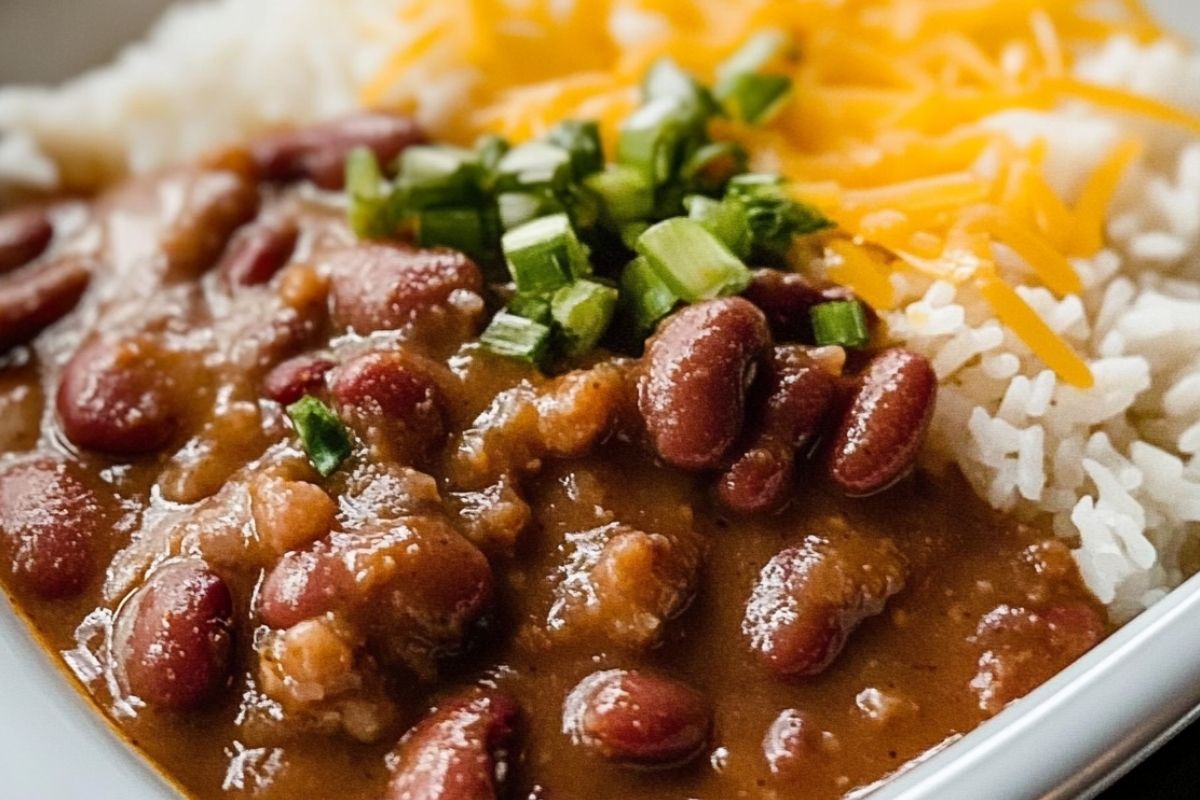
[{"x": 883, "y": 132}]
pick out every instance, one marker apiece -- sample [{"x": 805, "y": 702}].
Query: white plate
[{"x": 1065, "y": 740}]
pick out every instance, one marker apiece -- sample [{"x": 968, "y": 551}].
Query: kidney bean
[
  {"x": 114, "y": 397},
  {"x": 1022, "y": 648},
  {"x": 697, "y": 368},
  {"x": 392, "y": 399},
  {"x": 809, "y": 599},
  {"x": 319, "y": 152},
  {"x": 49, "y": 519},
  {"x": 637, "y": 718},
  {"x": 791, "y": 741},
  {"x": 785, "y": 298},
  {"x": 258, "y": 252},
  {"x": 24, "y": 235},
  {"x": 459, "y": 752},
  {"x": 794, "y": 398},
  {"x": 211, "y": 205},
  {"x": 32, "y": 300},
  {"x": 290, "y": 514},
  {"x": 884, "y": 425},
  {"x": 379, "y": 287},
  {"x": 176, "y": 643},
  {"x": 290, "y": 380}
]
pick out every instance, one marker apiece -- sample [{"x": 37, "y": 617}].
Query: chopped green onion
[
  {"x": 364, "y": 187},
  {"x": 583, "y": 311},
  {"x": 458, "y": 228},
  {"x": 709, "y": 168},
  {"x": 632, "y": 231},
  {"x": 624, "y": 193},
  {"x": 581, "y": 140},
  {"x": 756, "y": 99},
  {"x": 545, "y": 254},
  {"x": 841, "y": 322},
  {"x": 437, "y": 175},
  {"x": 774, "y": 217},
  {"x": 653, "y": 136},
  {"x": 533, "y": 165},
  {"x": 489, "y": 150},
  {"x": 517, "y": 208},
  {"x": 665, "y": 80},
  {"x": 756, "y": 54},
  {"x": 321, "y": 433},
  {"x": 694, "y": 263},
  {"x": 517, "y": 337},
  {"x": 647, "y": 298},
  {"x": 531, "y": 306},
  {"x": 724, "y": 219}
]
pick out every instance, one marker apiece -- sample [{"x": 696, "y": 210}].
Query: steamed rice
[{"x": 1116, "y": 467}]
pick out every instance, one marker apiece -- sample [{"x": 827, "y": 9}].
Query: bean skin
[
  {"x": 114, "y": 397},
  {"x": 212, "y": 205},
  {"x": 786, "y": 298},
  {"x": 809, "y": 599},
  {"x": 637, "y": 718},
  {"x": 794, "y": 399},
  {"x": 24, "y": 235},
  {"x": 318, "y": 153},
  {"x": 380, "y": 287},
  {"x": 49, "y": 519},
  {"x": 32, "y": 300},
  {"x": 290, "y": 380},
  {"x": 459, "y": 752},
  {"x": 258, "y": 252},
  {"x": 884, "y": 424},
  {"x": 697, "y": 369},
  {"x": 175, "y": 647}
]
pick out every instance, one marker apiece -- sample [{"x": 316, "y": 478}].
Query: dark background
[{"x": 1173, "y": 773}]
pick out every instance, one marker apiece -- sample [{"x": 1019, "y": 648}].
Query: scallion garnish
[
  {"x": 365, "y": 190},
  {"x": 432, "y": 176},
  {"x": 460, "y": 228},
  {"x": 545, "y": 254},
  {"x": 840, "y": 322},
  {"x": 775, "y": 219},
  {"x": 666, "y": 80},
  {"x": 581, "y": 140},
  {"x": 695, "y": 264},
  {"x": 709, "y": 169},
  {"x": 533, "y": 165},
  {"x": 517, "y": 337},
  {"x": 644, "y": 295},
  {"x": 321, "y": 433},
  {"x": 583, "y": 311},
  {"x": 724, "y": 219},
  {"x": 625, "y": 193},
  {"x": 517, "y": 208},
  {"x": 651, "y": 138},
  {"x": 744, "y": 89},
  {"x": 531, "y": 306}
]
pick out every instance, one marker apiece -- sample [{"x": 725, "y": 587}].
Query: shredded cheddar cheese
[{"x": 884, "y": 133}]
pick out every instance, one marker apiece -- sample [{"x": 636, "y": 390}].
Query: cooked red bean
[
  {"x": 35, "y": 299},
  {"x": 698, "y": 367},
  {"x": 785, "y": 298},
  {"x": 882, "y": 429},
  {"x": 176, "y": 644},
  {"x": 380, "y": 287},
  {"x": 459, "y": 752},
  {"x": 24, "y": 235},
  {"x": 792, "y": 740},
  {"x": 258, "y": 252},
  {"x": 212, "y": 204},
  {"x": 49, "y": 519},
  {"x": 1022, "y": 648},
  {"x": 637, "y": 718},
  {"x": 319, "y": 152},
  {"x": 392, "y": 399},
  {"x": 114, "y": 397},
  {"x": 290, "y": 380},
  {"x": 809, "y": 599},
  {"x": 795, "y": 395}
]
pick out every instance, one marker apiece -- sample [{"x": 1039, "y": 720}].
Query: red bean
[
  {"x": 114, "y": 397},
  {"x": 791, "y": 741},
  {"x": 785, "y": 298},
  {"x": 24, "y": 235},
  {"x": 305, "y": 585},
  {"x": 258, "y": 252},
  {"x": 393, "y": 401},
  {"x": 380, "y": 287},
  {"x": 290, "y": 380},
  {"x": 794, "y": 398},
  {"x": 809, "y": 599},
  {"x": 697, "y": 369},
  {"x": 32, "y": 300},
  {"x": 318, "y": 153},
  {"x": 884, "y": 425},
  {"x": 174, "y": 640},
  {"x": 49, "y": 519},
  {"x": 637, "y": 718},
  {"x": 212, "y": 204},
  {"x": 459, "y": 752}
]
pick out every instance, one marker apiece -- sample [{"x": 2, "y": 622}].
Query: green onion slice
[
  {"x": 666, "y": 80},
  {"x": 625, "y": 193},
  {"x": 841, "y": 322},
  {"x": 583, "y": 311},
  {"x": 531, "y": 306},
  {"x": 321, "y": 433},
  {"x": 652, "y": 138},
  {"x": 710, "y": 168},
  {"x": 725, "y": 219},
  {"x": 694, "y": 263},
  {"x": 533, "y": 165},
  {"x": 545, "y": 254},
  {"x": 755, "y": 55},
  {"x": 645, "y": 295},
  {"x": 581, "y": 140},
  {"x": 755, "y": 98},
  {"x": 438, "y": 175},
  {"x": 365, "y": 189},
  {"x": 517, "y": 337},
  {"x": 459, "y": 228},
  {"x": 517, "y": 208}
]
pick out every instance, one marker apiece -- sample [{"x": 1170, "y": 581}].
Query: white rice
[{"x": 1116, "y": 468}]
